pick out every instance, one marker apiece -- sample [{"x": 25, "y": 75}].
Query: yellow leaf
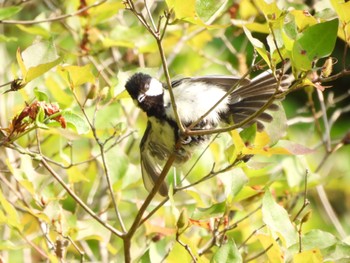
[
  {"x": 21, "y": 62},
  {"x": 274, "y": 253},
  {"x": 261, "y": 139},
  {"x": 309, "y": 256},
  {"x": 37, "y": 71},
  {"x": 303, "y": 19},
  {"x": 77, "y": 75},
  {"x": 8, "y": 213},
  {"x": 270, "y": 10}
]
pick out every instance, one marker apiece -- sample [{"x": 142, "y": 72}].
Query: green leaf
[
  {"x": 278, "y": 127},
  {"x": 6, "y": 12},
  {"x": 227, "y": 253},
  {"x": 39, "y": 120},
  {"x": 77, "y": 75},
  {"x": 338, "y": 252},
  {"x": 315, "y": 238},
  {"x": 35, "y": 30},
  {"x": 4, "y": 38},
  {"x": 277, "y": 219},
  {"x": 209, "y": 212},
  {"x": 207, "y": 8},
  {"x": 76, "y": 122},
  {"x": 248, "y": 135},
  {"x": 234, "y": 181},
  {"x": 40, "y": 96},
  {"x": 315, "y": 42}
]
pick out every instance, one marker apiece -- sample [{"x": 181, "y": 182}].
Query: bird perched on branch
[{"x": 194, "y": 96}]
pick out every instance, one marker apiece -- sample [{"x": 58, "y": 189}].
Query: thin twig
[
  {"x": 79, "y": 201},
  {"x": 187, "y": 247}
]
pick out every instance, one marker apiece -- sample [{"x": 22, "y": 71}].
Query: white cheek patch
[{"x": 155, "y": 88}]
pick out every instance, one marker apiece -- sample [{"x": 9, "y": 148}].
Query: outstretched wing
[
  {"x": 249, "y": 98},
  {"x": 225, "y": 82},
  {"x": 151, "y": 166}
]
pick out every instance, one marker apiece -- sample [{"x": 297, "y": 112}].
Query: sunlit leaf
[
  {"x": 269, "y": 8},
  {"x": 105, "y": 11},
  {"x": 303, "y": 19},
  {"x": 77, "y": 75},
  {"x": 37, "y": 59},
  {"x": 188, "y": 11},
  {"x": 227, "y": 253},
  {"x": 75, "y": 175},
  {"x": 182, "y": 10},
  {"x": 309, "y": 256},
  {"x": 258, "y": 45},
  {"x": 57, "y": 90},
  {"x": 39, "y": 70},
  {"x": 247, "y": 9},
  {"x": 207, "y": 8},
  {"x": 342, "y": 8},
  {"x": 251, "y": 26},
  {"x": 277, "y": 219},
  {"x": 21, "y": 62},
  {"x": 178, "y": 253},
  {"x": 274, "y": 253},
  {"x": 8, "y": 214},
  {"x": 6, "y": 12}
]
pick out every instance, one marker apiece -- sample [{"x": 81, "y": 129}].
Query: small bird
[{"x": 194, "y": 96}]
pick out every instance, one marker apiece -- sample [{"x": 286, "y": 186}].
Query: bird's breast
[{"x": 194, "y": 100}]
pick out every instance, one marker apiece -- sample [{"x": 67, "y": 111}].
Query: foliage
[{"x": 71, "y": 187}]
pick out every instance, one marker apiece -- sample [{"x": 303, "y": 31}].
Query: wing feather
[
  {"x": 151, "y": 167},
  {"x": 225, "y": 82}
]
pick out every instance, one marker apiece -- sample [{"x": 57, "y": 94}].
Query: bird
[{"x": 195, "y": 96}]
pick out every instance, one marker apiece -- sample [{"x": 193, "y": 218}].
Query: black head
[{"x": 147, "y": 93}]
